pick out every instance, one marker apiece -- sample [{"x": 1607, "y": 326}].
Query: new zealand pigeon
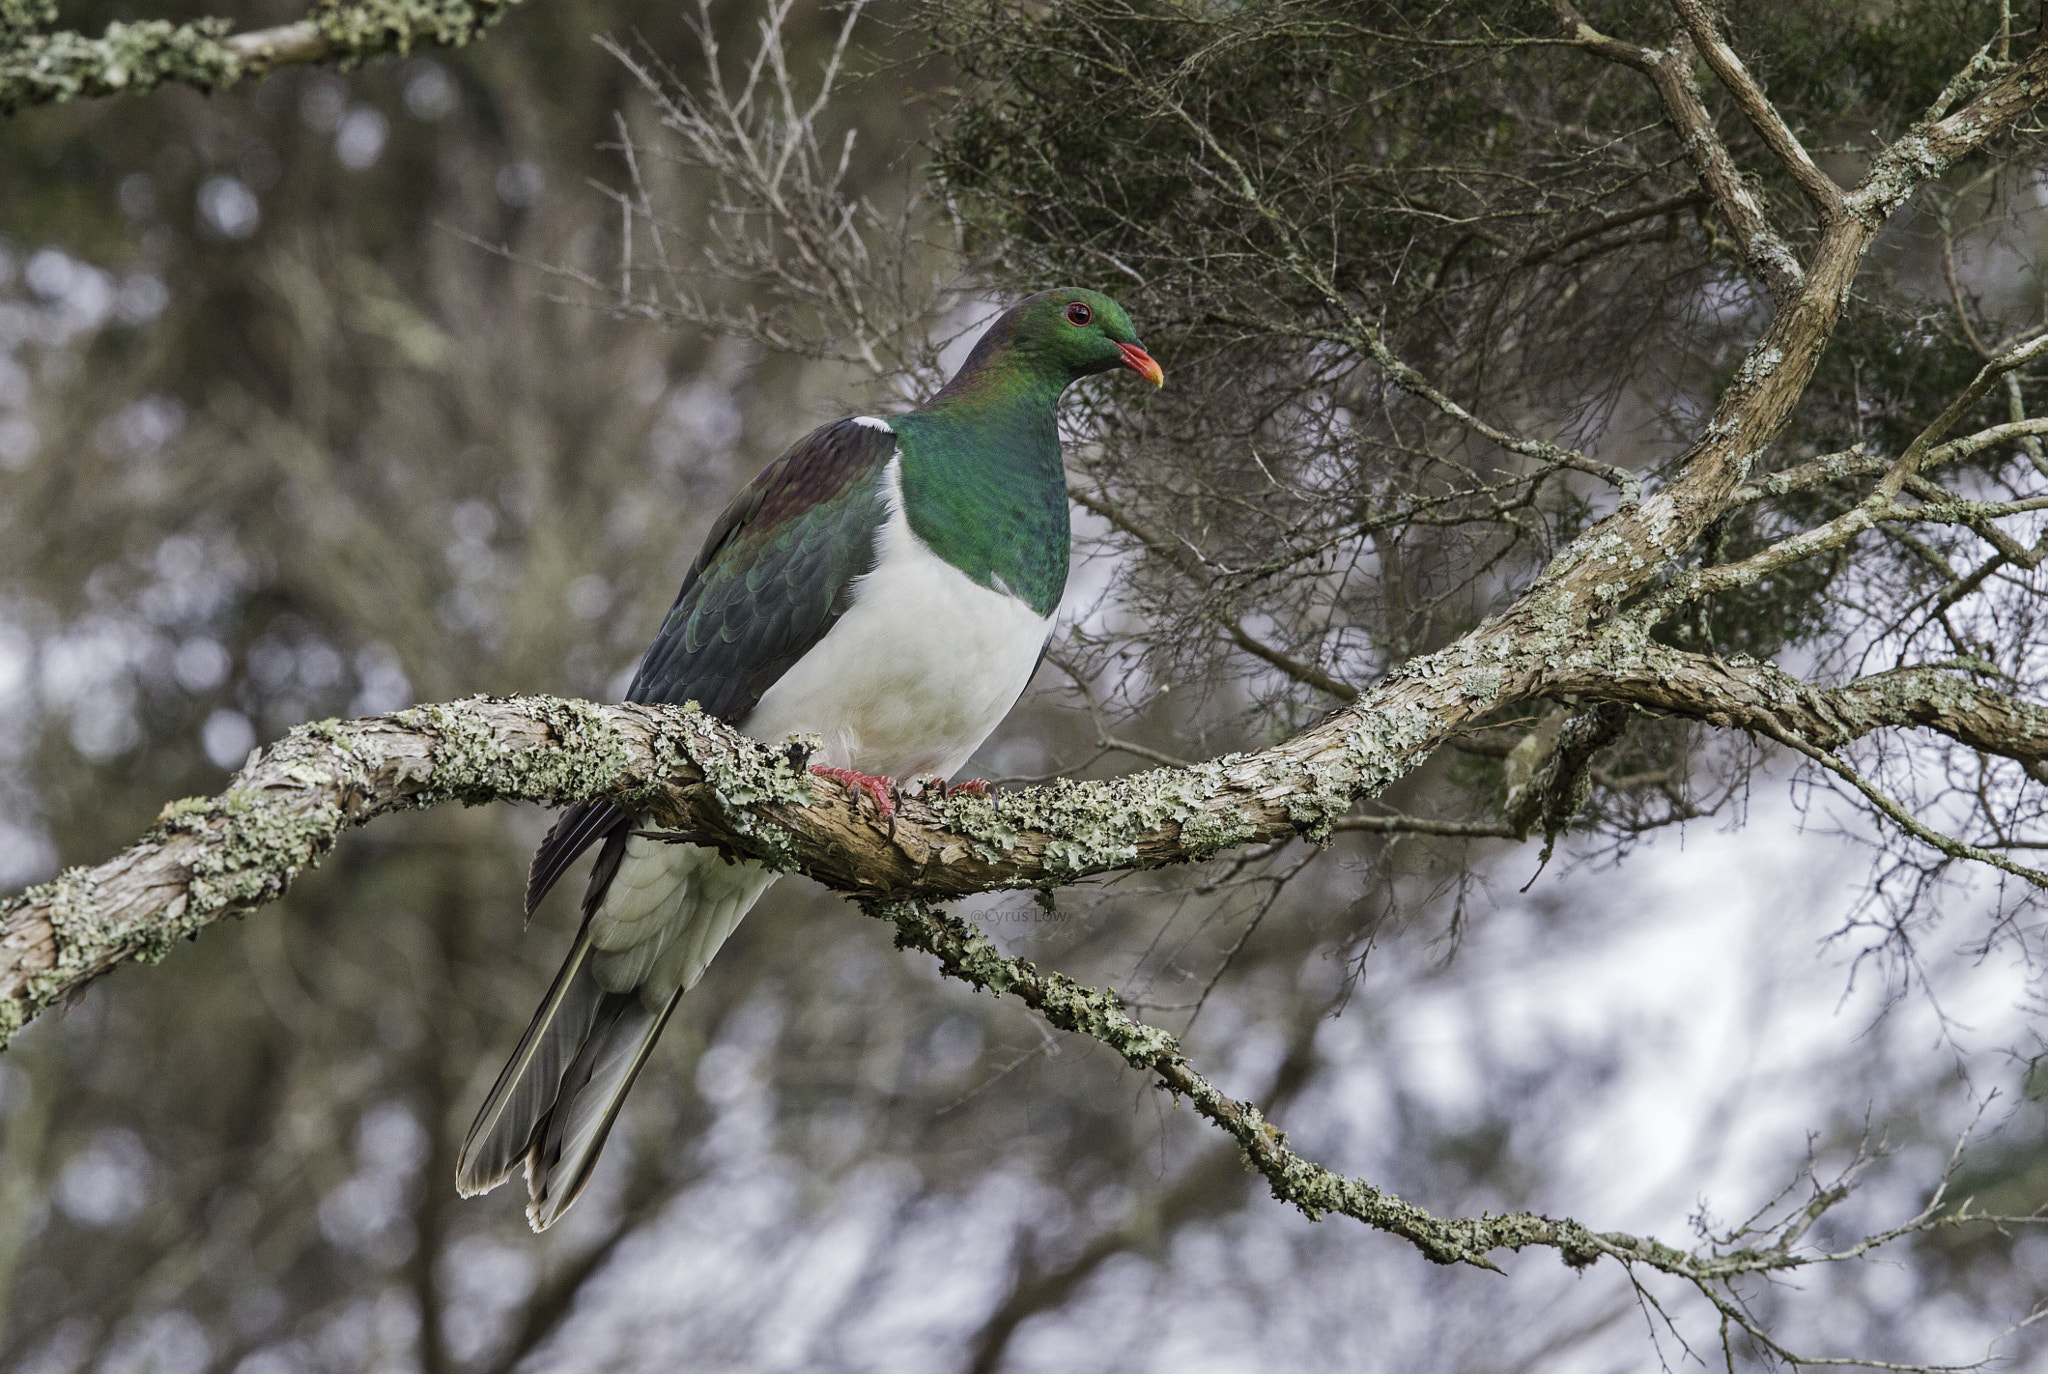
[{"x": 887, "y": 585}]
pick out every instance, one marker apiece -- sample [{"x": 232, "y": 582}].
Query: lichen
[
  {"x": 183, "y": 806},
  {"x": 472, "y": 764},
  {"x": 749, "y": 776},
  {"x": 966, "y": 953},
  {"x": 69, "y": 900},
  {"x": 360, "y": 31},
  {"x": 39, "y": 67},
  {"x": 1758, "y": 366},
  {"x": 1097, "y": 825},
  {"x": 258, "y": 845},
  {"x": 287, "y": 809}
]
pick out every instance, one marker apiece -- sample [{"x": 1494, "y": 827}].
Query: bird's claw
[{"x": 882, "y": 790}]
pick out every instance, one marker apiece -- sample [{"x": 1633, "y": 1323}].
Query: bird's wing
[{"x": 775, "y": 574}]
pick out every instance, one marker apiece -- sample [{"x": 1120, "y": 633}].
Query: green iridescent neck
[{"x": 983, "y": 483}]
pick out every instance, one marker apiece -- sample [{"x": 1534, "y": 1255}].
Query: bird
[{"x": 887, "y": 586}]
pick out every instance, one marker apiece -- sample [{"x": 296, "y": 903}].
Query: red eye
[{"x": 1078, "y": 313}]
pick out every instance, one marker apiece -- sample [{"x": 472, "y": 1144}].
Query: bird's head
[
  {"x": 1085, "y": 331},
  {"x": 1069, "y": 332}
]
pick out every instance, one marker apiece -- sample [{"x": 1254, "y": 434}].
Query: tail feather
[
  {"x": 642, "y": 945},
  {"x": 566, "y": 1145},
  {"x": 555, "y": 1102},
  {"x": 530, "y": 1082},
  {"x": 529, "y": 1085}
]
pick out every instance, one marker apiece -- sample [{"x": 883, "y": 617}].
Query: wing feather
[
  {"x": 774, "y": 575},
  {"x": 580, "y": 826}
]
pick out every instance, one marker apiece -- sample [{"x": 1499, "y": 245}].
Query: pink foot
[{"x": 878, "y": 788}]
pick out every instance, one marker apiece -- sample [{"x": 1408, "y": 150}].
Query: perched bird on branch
[{"x": 885, "y": 585}]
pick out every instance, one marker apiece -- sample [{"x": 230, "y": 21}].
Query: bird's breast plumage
[{"x": 918, "y": 671}]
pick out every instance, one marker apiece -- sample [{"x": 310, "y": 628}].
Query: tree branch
[
  {"x": 1670, "y": 71},
  {"x": 1865, "y": 462},
  {"x": 215, "y": 857},
  {"x": 40, "y": 68},
  {"x": 1567, "y": 633},
  {"x": 1931, "y": 147},
  {"x": 1556, "y": 789},
  {"x": 965, "y": 953},
  {"x": 1756, "y": 107},
  {"x": 1744, "y": 694}
]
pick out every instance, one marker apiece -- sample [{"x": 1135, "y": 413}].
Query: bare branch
[
  {"x": 825, "y": 272},
  {"x": 1905, "y": 820},
  {"x": 1756, "y": 107},
  {"x": 1180, "y": 557},
  {"x": 1670, "y": 71},
  {"x": 1882, "y": 504}
]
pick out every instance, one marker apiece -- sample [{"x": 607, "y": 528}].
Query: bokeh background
[{"x": 282, "y": 437}]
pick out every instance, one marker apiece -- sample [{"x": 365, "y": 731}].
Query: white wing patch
[{"x": 874, "y": 422}]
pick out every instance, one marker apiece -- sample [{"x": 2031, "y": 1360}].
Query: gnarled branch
[
  {"x": 221, "y": 856},
  {"x": 1744, "y": 694}
]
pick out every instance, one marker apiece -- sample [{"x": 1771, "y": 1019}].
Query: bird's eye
[{"x": 1078, "y": 313}]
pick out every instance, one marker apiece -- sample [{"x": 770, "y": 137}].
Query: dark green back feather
[{"x": 774, "y": 575}]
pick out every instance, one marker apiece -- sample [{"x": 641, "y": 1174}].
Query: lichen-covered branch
[
  {"x": 40, "y": 65},
  {"x": 215, "y": 857},
  {"x": 965, "y": 953},
  {"x": 1744, "y": 694},
  {"x": 1862, "y": 461},
  {"x": 219, "y": 856}
]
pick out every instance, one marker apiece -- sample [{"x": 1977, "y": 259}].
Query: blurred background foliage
[{"x": 280, "y": 438}]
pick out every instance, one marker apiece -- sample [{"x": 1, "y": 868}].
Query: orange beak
[{"x": 1140, "y": 362}]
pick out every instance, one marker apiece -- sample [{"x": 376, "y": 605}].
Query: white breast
[{"x": 917, "y": 673}]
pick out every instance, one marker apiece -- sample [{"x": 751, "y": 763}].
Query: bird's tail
[
  {"x": 653, "y": 915},
  {"x": 556, "y": 1100}
]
